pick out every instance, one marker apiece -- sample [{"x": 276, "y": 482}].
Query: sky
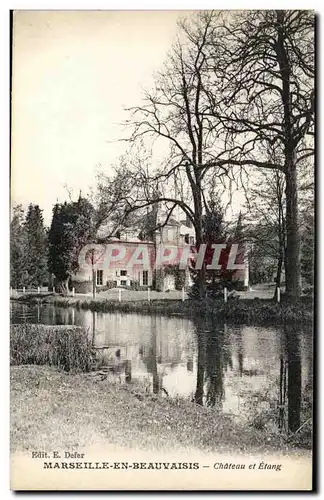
[{"x": 73, "y": 75}]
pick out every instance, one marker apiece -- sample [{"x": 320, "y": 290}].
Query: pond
[{"x": 262, "y": 374}]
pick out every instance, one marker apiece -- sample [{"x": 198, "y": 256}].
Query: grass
[
  {"x": 66, "y": 347},
  {"x": 52, "y": 409},
  {"x": 238, "y": 310}
]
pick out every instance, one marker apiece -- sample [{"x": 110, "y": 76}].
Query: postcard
[{"x": 162, "y": 250}]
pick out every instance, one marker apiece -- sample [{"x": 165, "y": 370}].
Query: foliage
[
  {"x": 108, "y": 286},
  {"x": 135, "y": 285},
  {"x": 180, "y": 279},
  {"x": 213, "y": 223},
  {"x": 65, "y": 347},
  {"x": 170, "y": 270},
  {"x": 18, "y": 249},
  {"x": 73, "y": 226},
  {"x": 28, "y": 248},
  {"x": 37, "y": 244},
  {"x": 158, "y": 279},
  {"x": 215, "y": 230},
  {"x": 82, "y": 286},
  {"x": 252, "y": 311}
]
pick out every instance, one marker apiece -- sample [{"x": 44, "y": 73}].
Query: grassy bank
[
  {"x": 67, "y": 410},
  {"x": 255, "y": 311},
  {"x": 66, "y": 347}
]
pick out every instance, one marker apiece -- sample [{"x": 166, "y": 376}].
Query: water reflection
[
  {"x": 213, "y": 359},
  {"x": 290, "y": 380},
  {"x": 258, "y": 374},
  {"x": 151, "y": 356}
]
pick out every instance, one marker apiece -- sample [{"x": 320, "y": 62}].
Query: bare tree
[
  {"x": 174, "y": 113},
  {"x": 267, "y": 220},
  {"x": 234, "y": 86},
  {"x": 266, "y": 82}
]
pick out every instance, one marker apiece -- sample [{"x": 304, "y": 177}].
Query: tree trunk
[
  {"x": 94, "y": 289},
  {"x": 64, "y": 286},
  {"x": 156, "y": 381},
  {"x": 199, "y": 394},
  {"x": 202, "y": 271},
  {"x": 279, "y": 269},
  {"x": 293, "y": 269},
  {"x": 202, "y": 283},
  {"x": 293, "y": 275},
  {"x": 214, "y": 368},
  {"x": 281, "y": 393}
]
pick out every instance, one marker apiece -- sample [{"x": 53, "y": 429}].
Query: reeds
[{"x": 66, "y": 347}]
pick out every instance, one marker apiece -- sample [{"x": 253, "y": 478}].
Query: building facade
[
  {"x": 132, "y": 263},
  {"x": 127, "y": 270}
]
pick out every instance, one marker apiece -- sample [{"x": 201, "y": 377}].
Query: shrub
[
  {"x": 215, "y": 289},
  {"x": 179, "y": 279},
  {"x": 134, "y": 285},
  {"x": 111, "y": 284},
  {"x": 82, "y": 286},
  {"x": 158, "y": 280},
  {"x": 108, "y": 286},
  {"x": 67, "y": 347}
]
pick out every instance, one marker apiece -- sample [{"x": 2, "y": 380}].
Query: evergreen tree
[
  {"x": 214, "y": 228},
  {"x": 72, "y": 227},
  {"x": 213, "y": 231},
  {"x": 36, "y": 241},
  {"x": 18, "y": 249}
]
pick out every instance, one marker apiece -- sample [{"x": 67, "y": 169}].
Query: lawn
[{"x": 52, "y": 409}]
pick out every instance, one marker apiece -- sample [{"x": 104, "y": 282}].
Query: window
[
  {"x": 145, "y": 278},
  {"x": 123, "y": 282},
  {"x": 99, "y": 277},
  {"x": 123, "y": 273}
]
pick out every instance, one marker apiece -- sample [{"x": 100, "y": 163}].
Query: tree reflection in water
[
  {"x": 213, "y": 359},
  {"x": 270, "y": 383},
  {"x": 291, "y": 395},
  {"x": 290, "y": 380},
  {"x": 149, "y": 356}
]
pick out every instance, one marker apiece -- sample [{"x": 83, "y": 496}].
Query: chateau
[
  {"x": 133, "y": 258},
  {"x": 176, "y": 234}
]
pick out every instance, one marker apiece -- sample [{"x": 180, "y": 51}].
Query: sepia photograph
[{"x": 162, "y": 249}]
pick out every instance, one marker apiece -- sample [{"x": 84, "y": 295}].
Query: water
[{"x": 263, "y": 375}]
